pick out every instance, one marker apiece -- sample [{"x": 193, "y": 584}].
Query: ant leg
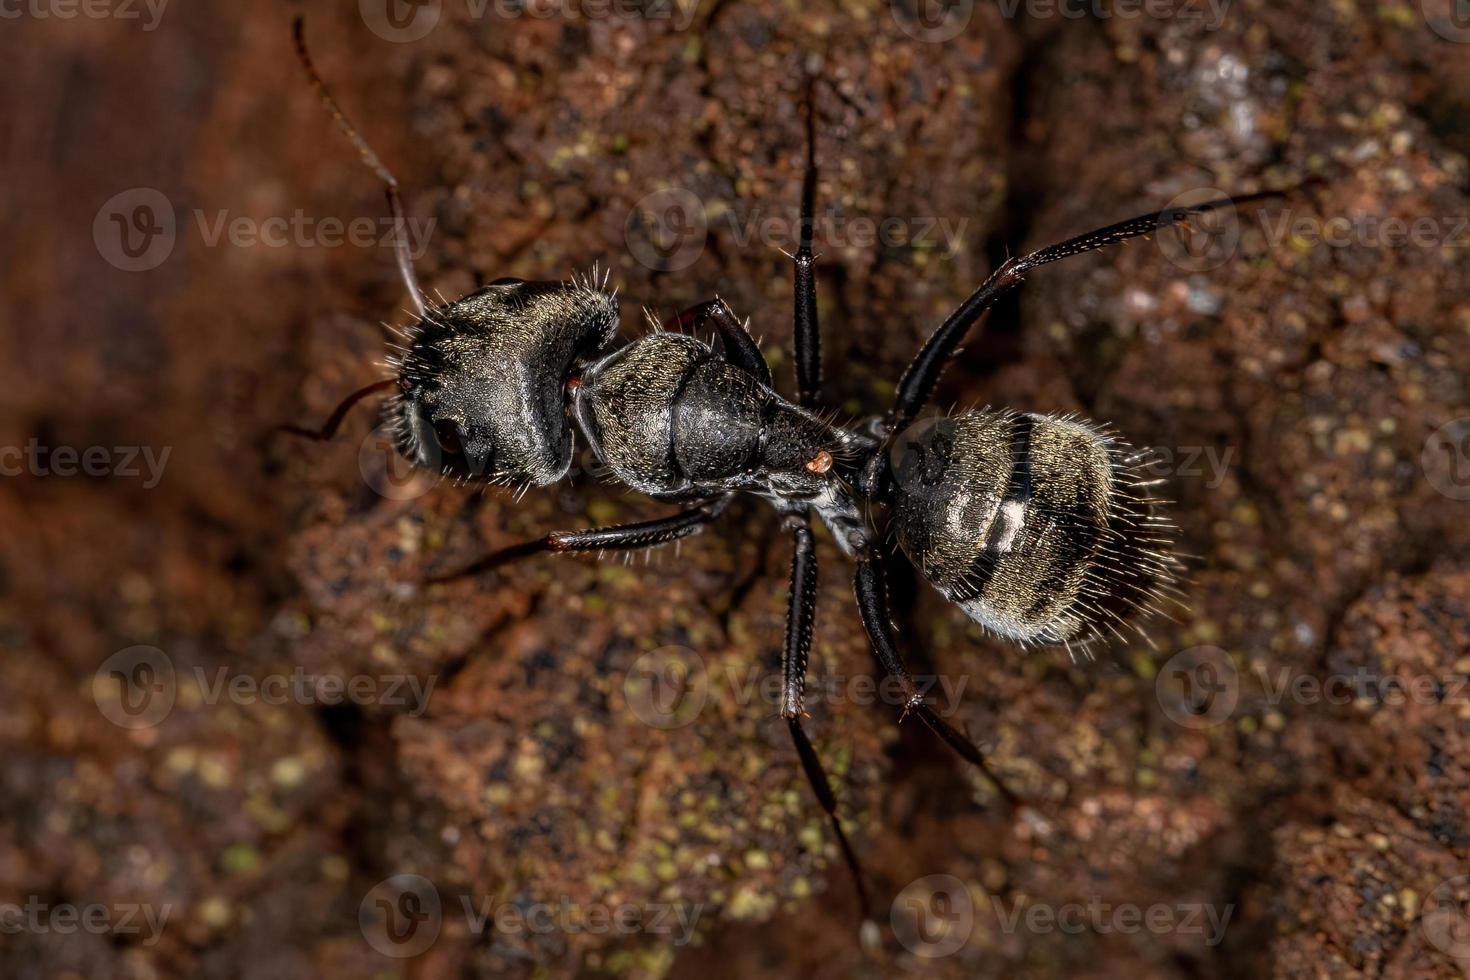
[
  {"x": 739, "y": 347},
  {"x": 620, "y": 537},
  {"x": 329, "y": 428},
  {"x": 401, "y": 246},
  {"x": 808, "y": 337},
  {"x": 918, "y": 381},
  {"x": 800, "y": 611},
  {"x": 871, "y": 587}
]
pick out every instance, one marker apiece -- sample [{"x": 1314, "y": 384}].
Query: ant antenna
[
  {"x": 328, "y": 430},
  {"x": 395, "y": 204}
]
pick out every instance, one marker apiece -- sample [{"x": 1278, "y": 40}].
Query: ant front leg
[
  {"x": 805, "y": 330},
  {"x": 871, "y": 586},
  {"x": 800, "y": 613},
  {"x": 621, "y": 537}
]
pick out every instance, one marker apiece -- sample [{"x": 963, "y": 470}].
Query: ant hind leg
[{"x": 871, "y": 587}]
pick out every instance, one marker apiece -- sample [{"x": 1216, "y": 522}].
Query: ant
[{"x": 1041, "y": 528}]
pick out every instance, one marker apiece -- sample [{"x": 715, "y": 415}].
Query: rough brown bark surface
[{"x": 1294, "y": 389}]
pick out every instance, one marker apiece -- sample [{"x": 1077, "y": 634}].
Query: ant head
[{"x": 482, "y": 382}]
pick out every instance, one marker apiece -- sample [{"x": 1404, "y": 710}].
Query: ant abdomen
[
  {"x": 481, "y": 381},
  {"x": 1039, "y": 527}
]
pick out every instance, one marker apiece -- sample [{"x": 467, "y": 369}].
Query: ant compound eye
[
  {"x": 465, "y": 453},
  {"x": 441, "y": 444},
  {"x": 448, "y": 435}
]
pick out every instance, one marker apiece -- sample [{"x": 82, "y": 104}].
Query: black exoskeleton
[
  {"x": 480, "y": 384},
  {"x": 1042, "y": 529}
]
